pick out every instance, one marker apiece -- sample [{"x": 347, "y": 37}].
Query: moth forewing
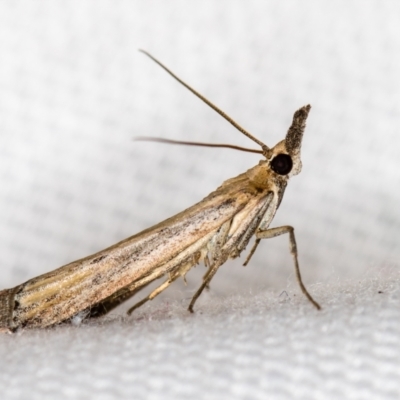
[
  {"x": 60, "y": 294},
  {"x": 218, "y": 227}
]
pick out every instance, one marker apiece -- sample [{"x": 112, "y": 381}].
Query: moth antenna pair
[{"x": 265, "y": 148}]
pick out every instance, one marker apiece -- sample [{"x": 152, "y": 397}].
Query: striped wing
[{"x": 62, "y": 293}]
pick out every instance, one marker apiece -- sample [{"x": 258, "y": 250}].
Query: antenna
[{"x": 201, "y": 144}]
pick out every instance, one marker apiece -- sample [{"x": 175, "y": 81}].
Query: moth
[{"x": 217, "y": 228}]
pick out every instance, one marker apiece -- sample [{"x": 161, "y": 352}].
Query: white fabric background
[{"x": 74, "y": 91}]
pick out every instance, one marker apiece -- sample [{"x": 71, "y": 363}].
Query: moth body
[{"x": 217, "y": 228}]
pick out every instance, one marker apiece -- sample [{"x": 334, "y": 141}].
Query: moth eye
[{"x": 282, "y": 164}]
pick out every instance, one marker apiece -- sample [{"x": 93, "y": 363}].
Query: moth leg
[
  {"x": 206, "y": 280},
  {"x": 153, "y": 294},
  {"x": 252, "y": 251},
  {"x": 273, "y": 232},
  {"x": 180, "y": 271},
  {"x": 209, "y": 267},
  {"x": 108, "y": 304}
]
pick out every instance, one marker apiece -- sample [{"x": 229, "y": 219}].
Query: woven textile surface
[{"x": 75, "y": 92}]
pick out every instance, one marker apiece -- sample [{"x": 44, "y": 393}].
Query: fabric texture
[{"x": 75, "y": 92}]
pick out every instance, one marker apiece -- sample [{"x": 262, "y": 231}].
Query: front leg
[{"x": 273, "y": 232}]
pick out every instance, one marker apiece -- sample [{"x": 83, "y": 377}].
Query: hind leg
[{"x": 273, "y": 232}]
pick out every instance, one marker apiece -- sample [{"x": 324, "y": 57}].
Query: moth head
[{"x": 284, "y": 158}]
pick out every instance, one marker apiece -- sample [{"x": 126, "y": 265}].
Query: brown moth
[{"x": 217, "y": 228}]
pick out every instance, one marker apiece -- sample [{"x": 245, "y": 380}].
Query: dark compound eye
[{"x": 282, "y": 164}]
